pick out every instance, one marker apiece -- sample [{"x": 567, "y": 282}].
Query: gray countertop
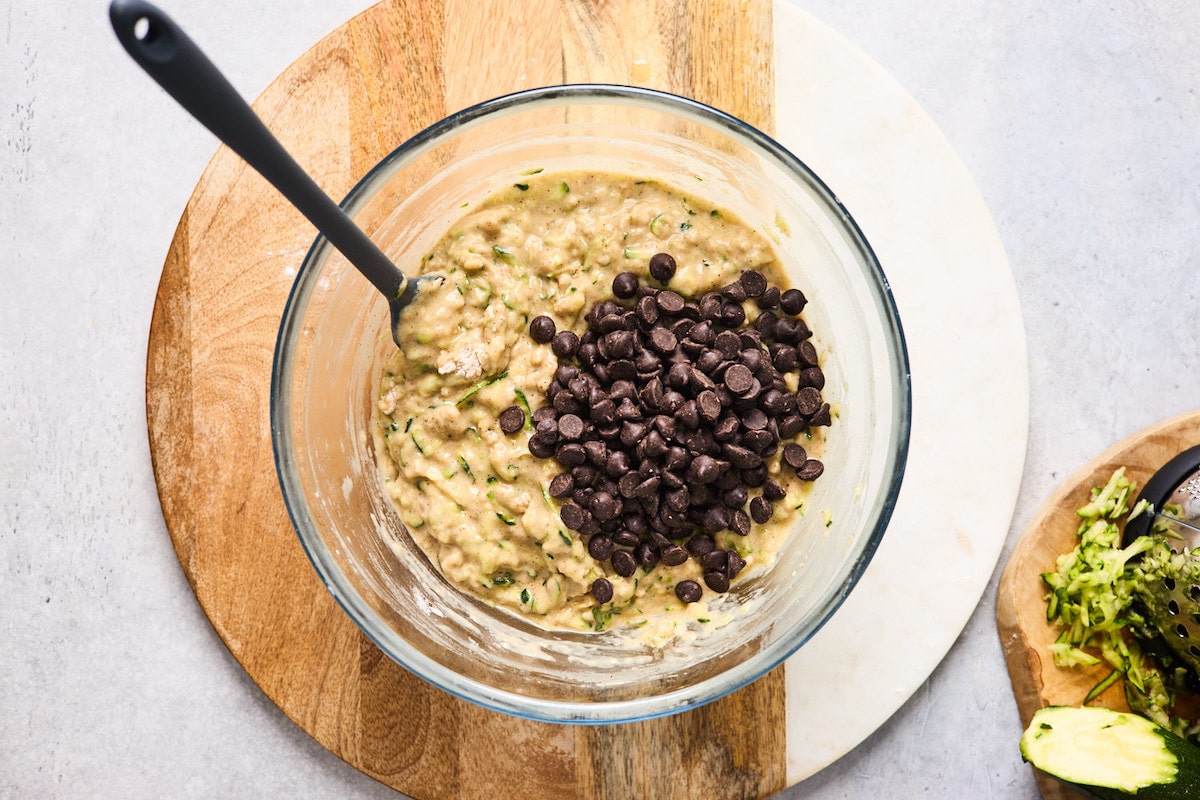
[{"x": 1077, "y": 120}]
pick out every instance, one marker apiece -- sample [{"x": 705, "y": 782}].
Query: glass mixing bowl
[{"x": 334, "y": 335}]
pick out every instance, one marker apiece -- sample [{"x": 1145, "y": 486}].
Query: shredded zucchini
[{"x": 1091, "y": 596}]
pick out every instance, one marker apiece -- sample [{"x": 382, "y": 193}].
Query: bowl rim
[{"x": 512, "y": 703}]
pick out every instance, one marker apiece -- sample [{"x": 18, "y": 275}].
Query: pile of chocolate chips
[{"x": 663, "y": 416}]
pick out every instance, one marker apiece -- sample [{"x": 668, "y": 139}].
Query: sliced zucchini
[{"x": 1111, "y": 754}]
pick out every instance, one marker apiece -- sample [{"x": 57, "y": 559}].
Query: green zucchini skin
[{"x": 1111, "y": 755}]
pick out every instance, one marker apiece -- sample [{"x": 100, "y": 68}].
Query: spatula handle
[{"x": 166, "y": 53}]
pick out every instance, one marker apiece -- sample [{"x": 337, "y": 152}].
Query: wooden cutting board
[
  {"x": 1020, "y": 599},
  {"x": 359, "y": 93}
]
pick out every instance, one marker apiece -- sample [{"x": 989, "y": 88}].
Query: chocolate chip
[
  {"x": 647, "y": 556},
  {"x": 663, "y": 340},
  {"x": 807, "y": 352},
  {"x": 753, "y": 283},
  {"x": 565, "y": 344},
  {"x": 572, "y": 515},
  {"x": 714, "y": 559},
  {"x": 785, "y": 359},
  {"x": 733, "y": 315},
  {"x": 754, "y": 420},
  {"x": 739, "y": 378},
  {"x": 561, "y": 485},
  {"x": 794, "y": 456},
  {"x": 654, "y": 445},
  {"x": 811, "y": 470},
  {"x": 716, "y": 519},
  {"x": 540, "y": 446},
  {"x": 755, "y": 476},
  {"x": 709, "y": 406},
  {"x": 582, "y": 496},
  {"x": 741, "y": 457},
  {"x": 765, "y": 324},
  {"x": 785, "y": 331},
  {"x": 623, "y": 344},
  {"x": 727, "y": 343},
  {"x": 617, "y": 464},
  {"x": 571, "y": 454},
  {"x": 626, "y": 538},
  {"x": 726, "y": 428},
  {"x": 662, "y": 267},
  {"x": 773, "y": 491},
  {"x": 704, "y": 469},
  {"x": 735, "y": 497},
  {"x": 628, "y": 483},
  {"x": 734, "y": 291},
  {"x": 541, "y": 329},
  {"x": 760, "y": 510},
  {"x": 673, "y": 555},
  {"x": 761, "y": 441},
  {"x": 730, "y": 479},
  {"x": 625, "y": 285},
  {"x": 822, "y": 416},
  {"x": 689, "y": 414},
  {"x": 676, "y": 458},
  {"x": 666, "y": 426},
  {"x": 808, "y": 400},
  {"x": 790, "y": 425},
  {"x": 716, "y": 580},
  {"x": 547, "y": 426},
  {"x": 702, "y": 333},
  {"x": 769, "y": 298},
  {"x": 570, "y": 426},
  {"x": 565, "y": 403},
  {"x": 699, "y": 544},
  {"x": 512, "y": 419},
  {"x": 604, "y": 506},
  {"x": 678, "y": 499},
  {"x": 600, "y": 547},
  {"x": 734, "y": 564},
  {"x": 740, "y": 524},
  {"x": 688, "y": 591},
  {"x": 648, "y": 488},
  {"x": 623, "y": 563},
  {"x": 647, "y": 310},
  {"x": 669, "y": 302},
  {"x": 609, "y": 323},
  {"x": 792, "y": 301},
  {"x": 602, "y": 590},
  {"x": 812, "y": 376},
  {"x": 751, "y": 358},
  {"x": 772, "y": 401}
]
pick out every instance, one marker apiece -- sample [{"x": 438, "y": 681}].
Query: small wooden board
[{"x": 1021, "y": 597}]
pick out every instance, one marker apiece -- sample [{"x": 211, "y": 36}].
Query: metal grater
[{"x": 1172, "y": 604}]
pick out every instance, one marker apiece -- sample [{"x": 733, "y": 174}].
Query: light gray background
[{"x": 1078, "y": 121}]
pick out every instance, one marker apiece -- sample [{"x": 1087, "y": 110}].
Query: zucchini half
[{"x": 1111, "y": 754}]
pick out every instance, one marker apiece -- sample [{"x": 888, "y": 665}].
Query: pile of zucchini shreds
[{"x": 1091, "y": 597}]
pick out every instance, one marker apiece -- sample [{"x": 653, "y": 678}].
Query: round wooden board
[
  {"x": 373, "y": 83},
  {"x": 356, "y": 95},
  {"x": 1020, "y": 599}
]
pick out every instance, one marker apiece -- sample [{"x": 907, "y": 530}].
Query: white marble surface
[
  {"x": 1077, "y": 121},
  {"x": 917, "y": 205}
]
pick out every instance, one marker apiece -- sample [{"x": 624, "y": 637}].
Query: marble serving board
[{"x": 400, "y": 66}]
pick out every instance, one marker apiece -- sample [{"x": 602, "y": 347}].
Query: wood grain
[
  {"x": 1021, "y": 621},
  {"x": 356, "y": 95}
]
